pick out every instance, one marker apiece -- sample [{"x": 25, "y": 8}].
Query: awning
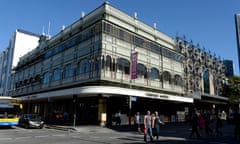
[
  {"x": 215, "y": 97},
  {"x": 214, "y": 102},
  {"x": 106, "y": 91}
]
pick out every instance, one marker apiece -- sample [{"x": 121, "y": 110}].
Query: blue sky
[{"x": 207, "y": 22}]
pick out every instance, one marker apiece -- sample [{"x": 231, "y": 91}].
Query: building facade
[
  {"x": 20, "y": 43},
  {"x": 204, "y": 76},
  {"x": 237, "y": 23},
  {"x": 86, "y": 73},
  {"x": 229, "y": 70}
]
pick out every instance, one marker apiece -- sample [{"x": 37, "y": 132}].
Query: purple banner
[{"x": 134, "y": 57}]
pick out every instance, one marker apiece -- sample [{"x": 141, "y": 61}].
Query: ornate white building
[
  {"x": 204, "y": 74},
  {"x": 85, "y": 70}
]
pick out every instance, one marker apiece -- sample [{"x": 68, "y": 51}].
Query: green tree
[{"x": 233, "y": 89}]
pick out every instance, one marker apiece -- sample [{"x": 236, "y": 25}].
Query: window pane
[
  {"x": 84, "y": 66},
  {"x": 68, "y": 71},
  {"x": 46, "y": 77},
  {"x": 154, "y": 73},
  {"x": 206, "y": 82},
  {"x": 56, "y": 74}
]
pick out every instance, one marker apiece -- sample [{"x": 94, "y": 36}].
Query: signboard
[
  {"x": 134, "y": 99},
  {"x": 134, "y": 57}
]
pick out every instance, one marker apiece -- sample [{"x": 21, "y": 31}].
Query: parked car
[{"x": 31, "y": 121}]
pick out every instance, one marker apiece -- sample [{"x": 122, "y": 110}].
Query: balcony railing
[{"x": 119, "y": 77}]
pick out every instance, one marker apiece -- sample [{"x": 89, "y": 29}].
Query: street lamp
[{"x": 74, "y": 110}]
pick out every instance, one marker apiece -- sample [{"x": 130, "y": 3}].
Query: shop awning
[{"x": 108, "y": 91}]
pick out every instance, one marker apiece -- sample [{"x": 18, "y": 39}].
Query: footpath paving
[{"x": 169, "y": 133}]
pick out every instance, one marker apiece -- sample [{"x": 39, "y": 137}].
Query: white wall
[{"x": 23, "y": 44}]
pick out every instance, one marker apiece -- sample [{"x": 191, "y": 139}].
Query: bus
[{"x": 10, "y": 108}]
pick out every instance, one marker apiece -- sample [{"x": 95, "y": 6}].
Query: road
[
  {"x": 170, "y": 134},
  {"x": 53, "y": 136}
]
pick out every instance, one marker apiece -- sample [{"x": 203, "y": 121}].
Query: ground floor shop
[
  {"x": 99, "y": 105},
  {"x": 217, "y": 106},
  {"x": 97, "y": 109}
]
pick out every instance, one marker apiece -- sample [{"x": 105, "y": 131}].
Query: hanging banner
[{"x": 134, "y": 57}]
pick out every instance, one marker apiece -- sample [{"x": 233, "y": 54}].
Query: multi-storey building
[
  {"x": 237, "y": 23},
  {"x": 85, "y": 71},
  {"x": 204, "y": 76},
  {"x": 108, "y": 61},
  {"x": 229, "y": 70},
  {"x": 20, "y": 43}
]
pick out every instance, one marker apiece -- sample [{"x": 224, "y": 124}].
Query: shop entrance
[{"x": 87, "y": 111}]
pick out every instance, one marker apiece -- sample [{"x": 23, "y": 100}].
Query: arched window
[
  {"x": 103, "y": 64},
  {"x": 166, "y": 76},
  {"x": 206, "y": 85},
  {"x": 96, "y": 64},
  {"x": 108, "y": 62},
  {"x": 46, "y": 77},
  {"x": 83, "y": 67},
  {"x": 178, "y": 80},
  {"x": 56, "y": 74},
  {"x": 68, "y": 71},
  {"x": 123, "y": 65},
  {"x": 155, "y": 73},
  {"x": 142, "y": 70}
]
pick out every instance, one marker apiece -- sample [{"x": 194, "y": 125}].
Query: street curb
[{"x": 64, "y": 128}]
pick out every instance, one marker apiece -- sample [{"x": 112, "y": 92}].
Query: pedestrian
[
  {"x": 137, "y": 122},
  {"x": 207, "y": 122},
  {"x": 194, "y": 123},
  {"x": 118, "y": 118},
  {"x": 218, "y": 125},
  {"x": 236, "y": 121},
  {"x": 201, "y": 123},
  {"x": 148, "y": 126},
  {"x": 156, "y": 125},
  {"x": 153, "y": 128},
  {"x": 65, "y": 117}
]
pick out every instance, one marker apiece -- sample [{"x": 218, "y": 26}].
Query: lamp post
[{"x": 74, "y": 110}]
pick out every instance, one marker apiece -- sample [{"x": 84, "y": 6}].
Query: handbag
[{"x": 145, "y": 131}]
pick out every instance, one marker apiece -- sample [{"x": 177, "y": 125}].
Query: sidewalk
[
  {"x": 174, "y": 133},
  {"x": 169, "y": 131},
  {"x": 81, "y": 129},
  {"x": 167, "y": 128}
]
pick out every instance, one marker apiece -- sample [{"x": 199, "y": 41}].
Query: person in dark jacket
[
  {"x": 218, "y": 125},
  {"x": 236, "y": 121},
  {"x": 194, "y": 123},
  {"x": 207, "y": 122},
  {"x": 156, "y": 125}
]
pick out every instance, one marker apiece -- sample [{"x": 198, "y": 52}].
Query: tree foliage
[{"x": 233, "y": 89}]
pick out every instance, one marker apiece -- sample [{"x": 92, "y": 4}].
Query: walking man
[
  {"x": 137, "y": 122},
  {"x": 148, "y": 126},
  {"x": 194, "y": 122}
]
